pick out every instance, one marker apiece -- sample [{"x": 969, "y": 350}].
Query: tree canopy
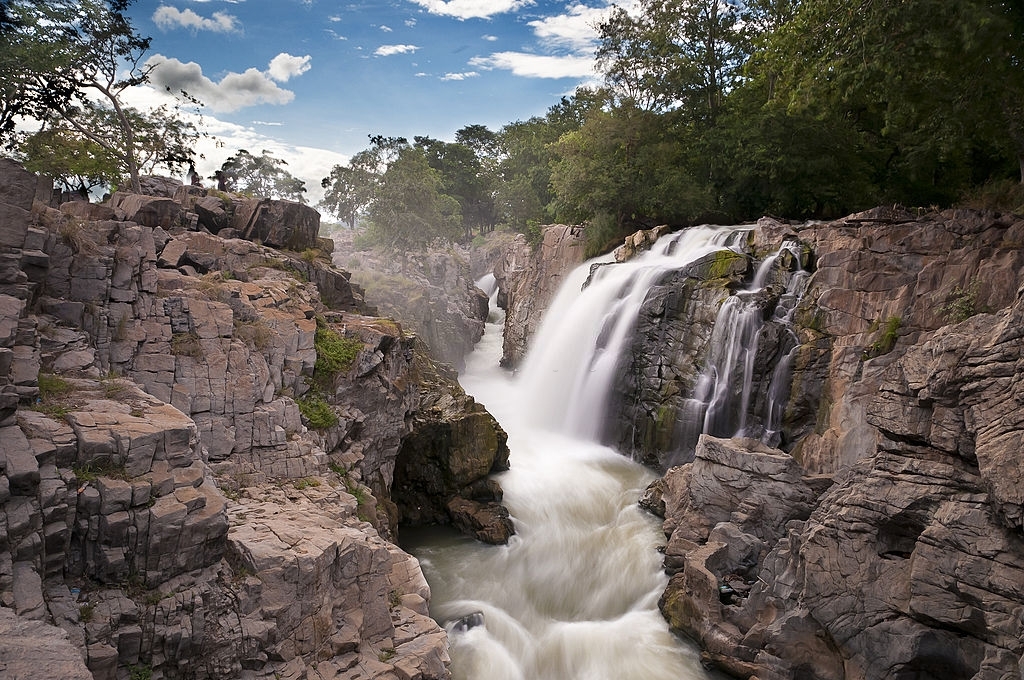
[
  {"x": 67, "y": 64},
  {"x": 263, "y": 176}
]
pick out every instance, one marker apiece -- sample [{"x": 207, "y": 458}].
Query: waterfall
[
  {"x": 574, "y": 595},
  {"x": 572, "y": 363}
]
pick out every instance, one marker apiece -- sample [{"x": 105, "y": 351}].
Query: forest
[{"x": 708, "y": 111}]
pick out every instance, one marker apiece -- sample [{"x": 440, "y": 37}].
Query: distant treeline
[{"x": 720, "y": 110}]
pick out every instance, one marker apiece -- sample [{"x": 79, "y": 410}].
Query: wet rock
[
  {"x": 487, "y": 522},
  {"x": 528, "y": 280}
]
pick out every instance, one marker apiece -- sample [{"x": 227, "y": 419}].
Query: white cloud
[
  {"x": 225, "y": 139},
  {"x": 472, "y": 9},
  {"x": 235, "y": 90},
  {"x": 334, "y": 19},
  {"x": 575, "y": 30},
  {"x": 490, "y": 38},
  {"x": 459, "y": 76},
  {"x": 267, "y": 122},
  {"x": 566, "y": 45},
  {"x": 386, "y": 29},
  {"x": 411, "y": 23},
  {"x": 285, "y": 66},
  {"x": 168, "y": 18},
  {"x": 388, "y": 50},
  {"x": 538, "y": 65}
]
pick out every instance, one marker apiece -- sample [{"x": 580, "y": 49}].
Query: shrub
[
  {"x": 962, "y": 304},
  {"x": 186, "y": 345},
  {"x": 317, "y": 412},
  {"x": 887, "y": 341},
  {"x": 334, "y": 353}
]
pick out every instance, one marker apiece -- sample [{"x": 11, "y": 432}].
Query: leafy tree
[
  {"x": 526, "y": 152},
  {"x": 626, "y": 167},
  {"x": 938, "y": 83},
  {"x": 71, "y": 61},
  {"x": 79, "y": 162},
  {"x": 674, "y": 54},
  {"x": 409, "y": 211},
  {"x": 463, "y": 178},
  {"x": 76, "y": 163},
  {"x": 263, "y": 176}
]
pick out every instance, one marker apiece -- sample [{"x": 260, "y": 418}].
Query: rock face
[
  {"x": 441, "y": 475},
  {"x": 202, "y": 485},
  {"x": 432, "y": 294},
  {"x": 528, "y": 280},
  {"x": 890, "y": 543}
]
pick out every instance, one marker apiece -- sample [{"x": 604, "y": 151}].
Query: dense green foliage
[{"x": 67, "y": 64}]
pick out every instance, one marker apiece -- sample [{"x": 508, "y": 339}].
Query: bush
[
  {"x": 317, "y": 412},
  {"x": 334, "y": 353}
]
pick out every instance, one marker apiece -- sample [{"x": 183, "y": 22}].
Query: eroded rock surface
[
  {"x": 890, "y": 543},
  {"x": 198, "y": 439},
  {"x": 528, "y": 279}
]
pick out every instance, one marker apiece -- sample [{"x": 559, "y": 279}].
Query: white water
[{"x": 574, "y": 595}]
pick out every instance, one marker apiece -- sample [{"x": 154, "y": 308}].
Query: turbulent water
[{"x": 574, "y": 594}]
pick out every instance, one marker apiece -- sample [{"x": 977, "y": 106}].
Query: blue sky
[{"x": 309, "y": 80}]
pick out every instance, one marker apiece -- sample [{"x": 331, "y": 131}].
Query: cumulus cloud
[
  {"x": 235, "y": 90},
  {"x": 388, "y": 50},
  {"x": 537, "y": 65},
  {"x": 169, "y": 18},
  {"x": 386, "y": 29},
  {"x": 566, "y": 44},
  {"x": 459, "y": 76},
  {"x": 575, "y": 30},
  {"x": 490, "y": 38},
  {"x": 286, "y": 66},
  {"x": 472, "y": 9}
]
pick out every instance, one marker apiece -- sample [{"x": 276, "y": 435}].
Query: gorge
[{"x": 211, "y": 446}]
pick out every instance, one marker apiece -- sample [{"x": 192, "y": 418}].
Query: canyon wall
[{"x": 199, "y": 435}]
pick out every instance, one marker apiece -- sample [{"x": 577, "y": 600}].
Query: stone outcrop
[
  {"x": 432, "y": 294},
  {"x": 874, "y": 271},
  {"x": 889, "y": 543},
  {"x": 441, "y": 474},
  {"x": 198, "y": 439},
  {"x": 528, "y": 279}
]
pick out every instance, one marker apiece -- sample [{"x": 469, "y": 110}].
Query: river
[{"x": 574, "y": 595}]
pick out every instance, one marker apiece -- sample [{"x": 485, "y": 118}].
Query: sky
[{"x": 310, "y": 80}]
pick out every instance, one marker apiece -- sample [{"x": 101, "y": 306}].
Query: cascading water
[
  {"x": 722, "y": 400},
  {"x": 574, "y": 594}
]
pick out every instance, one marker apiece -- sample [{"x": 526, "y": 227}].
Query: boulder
[
  {"x": 147, "y": 210},
  {"x": 277, "y": 223}
]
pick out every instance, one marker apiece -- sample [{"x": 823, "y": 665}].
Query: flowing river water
[{"x": 574, "y": 595}]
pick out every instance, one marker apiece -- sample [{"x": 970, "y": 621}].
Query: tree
[
  {"x": 79, "y": 162},
  {"x": 409, "y": 211},
  {"x": 673, "y": 54},
  {"x": 463, "y": 178},
  {"x": 940, "y": 83},
  {"x": 72, "y": 61},
  {"x": 263, "y": 176}
]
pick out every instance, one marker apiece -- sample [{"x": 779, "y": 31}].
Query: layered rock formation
[
  {"x": 198, "y": 439},
  {"x": 889, "y": 544},
  {"x": 528, "y": 280}
]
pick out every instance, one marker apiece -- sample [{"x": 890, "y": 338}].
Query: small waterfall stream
[{"x": 574, "y": 594}]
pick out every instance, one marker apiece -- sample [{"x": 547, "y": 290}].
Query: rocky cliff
[
  {"x": 888, "y": 542},
  {"x": 198, "y": 441},
  {"x": 528, "y": 279},
  {"x": 879, "y": 531},
  {"x": 431, "y": 293}
]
